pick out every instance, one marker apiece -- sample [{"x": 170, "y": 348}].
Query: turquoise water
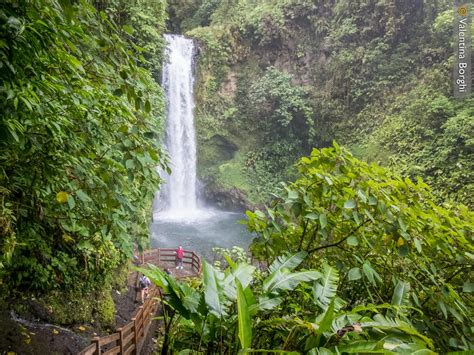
[{"x": 219, "y": 229}]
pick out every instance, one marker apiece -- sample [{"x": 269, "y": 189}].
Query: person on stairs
[
  {"x": 143, "y": 287},
  {"x": 179, "y": 257}
]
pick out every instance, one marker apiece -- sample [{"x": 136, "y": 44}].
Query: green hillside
[{"x": 276, "y": 78}]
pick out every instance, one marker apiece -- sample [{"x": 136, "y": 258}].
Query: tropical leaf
[
  {"x": 244, "y": 321},
  {"x": 265, "y": 303},
  {"x": 399, "y": 343},
  {"x": 213, "y": 293},
  {"x": 387, "y": 323},
  {"x": 326, "y": 320},
  {"x": 325, "y": 289},
  {"x": 357, "y": 347},
  {"x": 289, "y": 262},
  {"x": 320, "y": 351},
  {"x": 190, "y": 297},
  {"x": 371, "y": 307},
  {"x": 370, "y": 273},
  {"x": 287, "y": 281},
  {"x": 354, "y": 274},
  {"x": 181, "y": 297},
  {"x": 156, "y": 276},
  {"x": 273, "y": 351},
  {"x": 243, "y": 273},
  {"x": 401, "y": 294}
]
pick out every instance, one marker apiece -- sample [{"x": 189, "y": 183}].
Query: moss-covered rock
[
  {"x": 69, "y": 307},
  {"x": 104, "y": 309}
]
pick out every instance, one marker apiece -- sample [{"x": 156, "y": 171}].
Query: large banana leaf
[
  {"x": 382, "y": 347},
  {"x": 155, "y": 274},
  {"x": 284, "y": 280},
  {"x": 265, "y": 303},
  {"x": 213, "y": 290},
  {"x": 326, "y": 320},
  {"x": 180, "y": 296},
  {"x": 322, "y": 325},
  {"x": 357, "y": 347},
  {"x": 289, "y": 262},
  {"x": 190, "y": 297},
  {"x": 386, "y": 323},
  {"x": 242, "y": 272},
  {"x": 273, "y": 351},
  {"x": 325, "y": 289},
  {"x": 320, "y": 351},
  {"x": 245, "y": 324}
]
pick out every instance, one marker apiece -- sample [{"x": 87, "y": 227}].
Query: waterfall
[
  {"x": 179, "y": 216},
  {"x": 178, "y": 198}
]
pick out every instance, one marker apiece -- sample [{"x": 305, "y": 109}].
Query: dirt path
[{"x": 125, "y": 302}]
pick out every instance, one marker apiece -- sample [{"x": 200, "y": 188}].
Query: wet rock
[{"x": 231, "y": 199}]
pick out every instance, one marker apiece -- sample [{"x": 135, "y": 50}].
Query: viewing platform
[{"x": 165, "y": 258}]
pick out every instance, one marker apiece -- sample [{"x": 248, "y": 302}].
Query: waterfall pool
[{"x": 216, "y": 229}]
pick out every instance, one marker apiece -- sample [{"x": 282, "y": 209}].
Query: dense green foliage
[
  {"x": 427, "y": 134},
  {"x": 382, "y": 233},
  {"x": 280, "y": 310},
  {"x": 142, "y": 23},
  {"x": 354, "y": 257},
  {"x": 281, "y": 121},
  {"x": 375, "y": 75},
  {"x": 79, "y": 140},
  {"x": 374, "y": 264}
]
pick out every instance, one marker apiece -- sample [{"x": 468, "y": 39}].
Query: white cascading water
[
  {"x": 178, "y": 200},
  {"x": 179, "y": 217}
]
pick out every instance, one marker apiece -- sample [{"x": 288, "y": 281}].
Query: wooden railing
[
  {"x": 130, "y": 338},
  {"x": 163, "y": 255}
]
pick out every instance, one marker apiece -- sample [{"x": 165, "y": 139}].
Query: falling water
[
  {"x": 179, "y": 216},
  {"x": 178, "y": 199}
]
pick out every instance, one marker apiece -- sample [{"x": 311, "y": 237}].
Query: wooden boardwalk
[{"x": 130, "y": 339}]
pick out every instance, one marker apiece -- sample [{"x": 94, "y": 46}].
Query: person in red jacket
[{"x": 179, "y": 257}]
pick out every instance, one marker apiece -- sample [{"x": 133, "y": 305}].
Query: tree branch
[
  {"x": 302, "y": 235},
  {"x": 340, "y": 241}
]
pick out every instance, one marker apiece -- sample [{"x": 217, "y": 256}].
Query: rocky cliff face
[
  {"x": 229, "y": 199},
  {"x": 351, "y": 77}
]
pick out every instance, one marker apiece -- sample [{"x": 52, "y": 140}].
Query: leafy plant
[
  {"x": 79, "y": 145},
  {"x": 385, "y": 235},
  {"x": 263, "y": 323}
]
